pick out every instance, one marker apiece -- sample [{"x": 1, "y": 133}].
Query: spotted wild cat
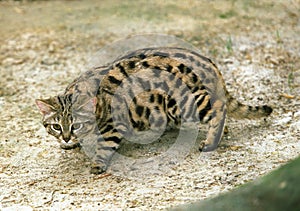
[{"x": 147, "y": 89}]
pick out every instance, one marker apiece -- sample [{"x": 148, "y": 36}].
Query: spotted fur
[{"x": 148, "y": 89}]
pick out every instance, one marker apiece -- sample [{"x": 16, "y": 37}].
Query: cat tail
[{"x": 238, "y": 110}]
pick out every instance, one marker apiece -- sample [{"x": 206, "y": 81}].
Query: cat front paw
[{"x": 98, "y": 168}]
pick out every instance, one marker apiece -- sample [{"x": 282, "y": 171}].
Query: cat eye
[
  {"x": 55, "y": 127},
  {"x": 76, "y": 126}
]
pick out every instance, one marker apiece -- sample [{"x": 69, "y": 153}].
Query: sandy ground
[{"x": 45, "y": 45}]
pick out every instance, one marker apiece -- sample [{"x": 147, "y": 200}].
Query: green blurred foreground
[{"x": 279, "y": 190}]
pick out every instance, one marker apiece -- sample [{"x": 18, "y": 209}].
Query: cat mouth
[{"x": 69, "y": 145}]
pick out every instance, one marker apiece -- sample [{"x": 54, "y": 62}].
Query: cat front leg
[
  {"x": 104, "y": 151},
  {"x": 102, "y": 158}
]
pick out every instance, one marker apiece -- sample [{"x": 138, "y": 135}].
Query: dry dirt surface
[{"x": 44, "y": 45}]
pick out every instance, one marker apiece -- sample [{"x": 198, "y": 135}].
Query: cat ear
[{"x": 45, "y": 106}]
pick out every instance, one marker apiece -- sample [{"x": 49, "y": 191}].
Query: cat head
[{"x": 67, "y": 118}]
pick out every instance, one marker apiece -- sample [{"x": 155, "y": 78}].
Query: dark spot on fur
[
  {"x": 178, "y": 83},
  {"x": 169, "y": 68},
  {"x": 204, "y": 111},
  {"x": 107, "y": 129},
  {"x": 114, "y": 139},
  {"x": 165, "y": 86},
  {"x": 145, "y": 64},
  {"x": 122, "y": 69},
  {"x": 180, "y": 55},
  {"x": 199, "y": 99},
  {"x": 171, "y": 103},
  {"x": 142, "y": 56},
  {"x": 171, "y": 77},
  {"x": 152, "y": 98},
  {"x": 139, "y": 110},
  {"x": 194, "y": 78},
  {"x": 181, "y": 68},
  {"x": 147, "y": 113},
  {"x": 160, "y": 99},
  {"x": 134, "y": 100},
  {"x": 113, "y": 80},
  {"x": 161, "y": 54},
  {"x": 184, "y": 101},
  {"x": 131, "y": 64},
  {"x": 156, "y": 72}
]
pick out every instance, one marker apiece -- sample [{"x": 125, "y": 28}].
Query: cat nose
[{"x": 66, "y": 138}]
